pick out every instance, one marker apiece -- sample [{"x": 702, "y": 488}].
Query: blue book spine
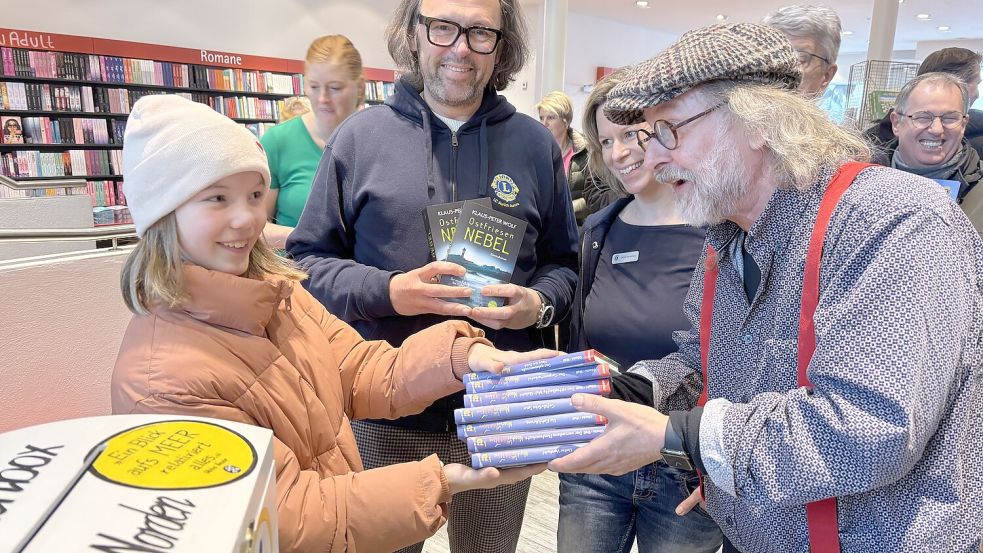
[
  {"x": 600, "y": 387},
  {"x": 513, "y": 411},
  {"x": 526, "y": 456},
  {"x": 559, "y": 376},
  {"x": 517, "y": 440},
  {"x": 567, "y": 361},
  {"x": 564, "y": 420}
]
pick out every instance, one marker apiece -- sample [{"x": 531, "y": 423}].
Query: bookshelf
[{"x": 66, "y": 99}]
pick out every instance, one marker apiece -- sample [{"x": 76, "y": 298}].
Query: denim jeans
[{"x": 604, "y": 514}]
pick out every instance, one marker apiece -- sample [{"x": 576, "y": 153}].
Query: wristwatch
[
  {"x": 674, "y": 451},
  {"x": 546, "y": 311}
]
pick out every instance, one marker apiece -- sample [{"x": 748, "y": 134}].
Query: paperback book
[
  {"x": 525, "y": 456},
  {"x": 441, "y": 223},
  {"x": 520, "y": 440},
  {"x": 487, "y": 244},
  {"x": 513, "y": 410},
  {"x": 565, "y": 420},
  {"x": 536, "y": 393},
  {"x": 566, "y": 361},
  {"x": 547, "y": 378}
]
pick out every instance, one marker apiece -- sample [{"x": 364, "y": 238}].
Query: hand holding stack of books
[{"x": 525, "y": 414}]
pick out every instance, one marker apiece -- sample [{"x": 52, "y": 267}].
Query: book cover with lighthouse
[
  {"x": 441, "y": 222},
  {"x": 487, "y": 244}
]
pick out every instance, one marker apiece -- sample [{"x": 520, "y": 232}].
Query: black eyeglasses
[
  {"x": 924, "y": 119},
  {"x": 805, "y": 57},
  {"x": 665, "y": 132},
  {"x": 441, "y": 32}
]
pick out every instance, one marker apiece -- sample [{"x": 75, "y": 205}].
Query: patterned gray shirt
[{"x": 894, "y": 427}]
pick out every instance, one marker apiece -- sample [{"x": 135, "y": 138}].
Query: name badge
[{"x": 626, "y": 257}]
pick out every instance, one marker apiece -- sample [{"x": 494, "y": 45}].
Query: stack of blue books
[{"x": 525, "y": 415}]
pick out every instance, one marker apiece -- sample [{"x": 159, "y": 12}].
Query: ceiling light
[
  {"x": 642, "y": 3},
  {"x": 721, "y": 17},
  {"x": 847, "y": 33},
  {"x": 900, "y": 1},
  {"x": 924, "y": 16},
  {"x": 944, "y": 28}
]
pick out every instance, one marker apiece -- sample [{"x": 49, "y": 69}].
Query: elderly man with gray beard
[{"x": 829, "y": 389}]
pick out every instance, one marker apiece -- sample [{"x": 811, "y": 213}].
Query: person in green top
[{"x": 333, "y": 82}]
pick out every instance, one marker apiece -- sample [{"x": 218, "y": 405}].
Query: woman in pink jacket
[{"x": 222, "y": 328}]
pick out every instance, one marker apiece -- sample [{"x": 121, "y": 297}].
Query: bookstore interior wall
[{"x": 64, "y": 100}]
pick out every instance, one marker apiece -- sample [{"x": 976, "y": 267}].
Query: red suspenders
[{"x": 820, "y": 515}]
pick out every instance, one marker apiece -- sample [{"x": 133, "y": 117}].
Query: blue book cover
[
  {"x": 513, "y": 410},
  {"x": 549, "y": 378},
  {"x": 566, "y": 361},
  {"x": 526, "y": 456},
  {"x": 563, "y": 420},
  {"x": 599, "y": 387},
  {"x": 517, "y": 440}
]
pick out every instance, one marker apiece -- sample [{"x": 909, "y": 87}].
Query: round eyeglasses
[
  {"x": 441, "y": 32},
  {"x": 665, "y": 132},
  {"x": 924, "y": 119}
]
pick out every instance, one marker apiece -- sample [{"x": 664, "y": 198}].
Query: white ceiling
[{"x": 965, "y": 17}]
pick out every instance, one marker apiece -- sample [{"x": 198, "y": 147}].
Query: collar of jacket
[{"x": 230, "y": 301}]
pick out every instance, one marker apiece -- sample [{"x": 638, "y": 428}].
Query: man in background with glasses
[
  {"x": 444, "y": 136},
  {"x": 814, "y": 32},
  {"x": 829, "y": 387},
  {"x": 929, "y": 121}
]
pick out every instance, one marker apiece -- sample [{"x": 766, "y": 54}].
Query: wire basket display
[{"x": 873, "y": 89}]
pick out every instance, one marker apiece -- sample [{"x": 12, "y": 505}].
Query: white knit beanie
[{"x": 174, "y": 148}]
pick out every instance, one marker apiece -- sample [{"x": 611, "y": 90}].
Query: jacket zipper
[
  {"x": 583, "y": 272},
  {"x": 453, "y": 166}
]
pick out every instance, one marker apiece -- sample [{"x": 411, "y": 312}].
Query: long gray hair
[
  {"x": 799, "y": 136},
  {"x": 511, "y": 54}
]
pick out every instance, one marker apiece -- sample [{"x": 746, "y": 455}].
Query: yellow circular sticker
[{"x": 175, "y": 455}]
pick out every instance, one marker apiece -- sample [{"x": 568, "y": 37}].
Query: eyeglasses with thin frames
[
  {"x": 924, "y": 119},
  {"x": 665, "y": 133},
  {"x": 805, "y": 58},
  {"x": 444, "y": 33}
]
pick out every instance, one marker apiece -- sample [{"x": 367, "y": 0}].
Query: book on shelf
[
  {"x": 524, "y": 456},
  {"x": 565, "y": 361},
  {"x": 487, "y": 244},
  {"x": 537, "y": 393},
  {"x": 441, "y": 224},
  {"x": 13, "y": 129},
  {"x": 542, "y": 378},
  {"x": 519, "y": 440},
  {"x": 563, "y": 420}
]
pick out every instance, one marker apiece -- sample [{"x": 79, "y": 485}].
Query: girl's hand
[
  {"x": 486, "y": 358},
  {"x": 461, "y": 478}
]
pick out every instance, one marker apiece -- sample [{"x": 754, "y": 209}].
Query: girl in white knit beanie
[{"x": 222, "y": 329}]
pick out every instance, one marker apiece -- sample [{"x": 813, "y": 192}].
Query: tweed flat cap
[{"x": 736, "y": 52}]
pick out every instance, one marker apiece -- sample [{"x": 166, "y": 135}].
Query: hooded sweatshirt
[{"x": 364, "y": 223}]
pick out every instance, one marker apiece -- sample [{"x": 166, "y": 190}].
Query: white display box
[{"x": 138, "y": 483}]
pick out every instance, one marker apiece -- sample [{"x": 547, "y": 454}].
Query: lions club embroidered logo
[{"x": 506, "y": 190}]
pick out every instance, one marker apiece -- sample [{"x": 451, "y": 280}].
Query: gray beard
[
  {"x": 716, "y": 187},
  {"x": 434, "y": 85}
]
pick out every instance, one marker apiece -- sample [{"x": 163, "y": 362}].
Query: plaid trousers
[{"x": 479, "y": 521}]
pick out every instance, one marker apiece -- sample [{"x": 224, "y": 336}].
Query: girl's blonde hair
[
  {"x": 153, "y": 274},
  {"x": 338, "y": 50}
]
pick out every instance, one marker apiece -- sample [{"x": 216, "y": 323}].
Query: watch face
[{"x": 677, "y": 459}]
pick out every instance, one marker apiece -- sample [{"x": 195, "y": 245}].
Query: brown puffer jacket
[{"x": 267, "y": 353}]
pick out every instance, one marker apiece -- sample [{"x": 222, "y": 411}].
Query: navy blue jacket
[{"x": 364, "y": 219}]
